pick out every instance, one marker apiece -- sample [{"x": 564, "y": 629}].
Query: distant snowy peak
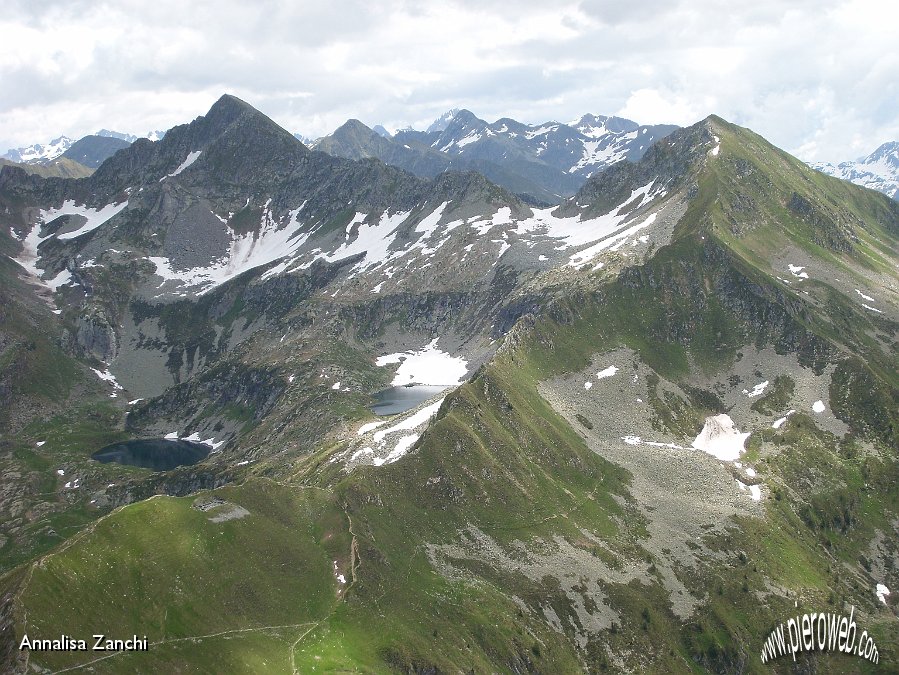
[
  {"x": 44, "y": 153},
  {"x": 888, "y": 153},
  {"x": 878, "y": 171},
  {"x": 381, "y": 131},
  {"x": 106, "y": 133},
  {"x": 308, "y": 141},
  {"x": 597, "y": 126},
  {"x": 442, "y": 122},
  {"x": 580, "y": 148},
  {"x": 152, "y": 135},
  {"x": 38, "y": 153}
]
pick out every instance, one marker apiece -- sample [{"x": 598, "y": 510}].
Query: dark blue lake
[
  {"x": 400, "y": 399},
  {"x": 158, "y": 454}
]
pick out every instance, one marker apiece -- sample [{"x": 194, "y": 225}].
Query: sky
[{"x": 815, "y": 77}]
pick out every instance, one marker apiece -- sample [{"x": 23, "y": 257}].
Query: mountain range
[
  {"x": 541, "y": 163},
  {"x": 655, "y": 419},
  {"x": 878, "y": 171},
  {"x": 87, "y": 152}
]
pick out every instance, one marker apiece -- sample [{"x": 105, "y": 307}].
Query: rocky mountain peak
[{"x": 441, "y": 122}]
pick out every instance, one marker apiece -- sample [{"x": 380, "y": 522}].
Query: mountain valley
[{"x": 664, "y": 416}]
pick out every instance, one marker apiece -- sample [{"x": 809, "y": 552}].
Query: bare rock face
[{"x": 95, "y": 336}]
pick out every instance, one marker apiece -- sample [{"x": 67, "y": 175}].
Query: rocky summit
[{"x": 631, "y": 428}]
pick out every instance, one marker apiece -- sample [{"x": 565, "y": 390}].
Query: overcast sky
[{"x": 816, "y": 77}]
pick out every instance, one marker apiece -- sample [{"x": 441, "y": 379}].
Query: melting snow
[
  {"x": 714, "y": 151},
  {"x": 370, "y": 426},
  {"x": 576, "y": 232},
  {"x": 758, "y": 389},
  {"x": 797, "y": 271},
  {"x": 606, "y": 372},
  {"x": 614, "y": 242},
  {"x": 106, "y": 376},
  {"x": 873, "y": 309},
  {"x": 636, "y": 440},
  {"x": 61, "y": 279},
  {"x": 410, "y": 422},
  {"x": 428, "y": 365},
  {"x": 29, "y": 256},
  {"x": 171, "y": 436},
  {"x": 750, "y": 472},
  {"x": 865, "y": 297},
  {"x": 95, "y": 217},
  {"x": 818, "y": 406},
  {"x": 402, "y": 447},
  {"x": 359, "y": 453},
  {"x": 587, "y": 385},
  {"x": 882, "y": 592},
  {"x": 779, "y": 423},
  {"x": 191, "y": 158},
  {"x": 755, "y": 492},
  {"x": 720, "y": 438},
  {"x": 245, "y": 252}
]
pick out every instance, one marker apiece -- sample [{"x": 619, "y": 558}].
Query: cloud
[{"x": 816, "y": 78}]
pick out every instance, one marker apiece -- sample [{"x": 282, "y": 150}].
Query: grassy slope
[{"x": 161, "y": 568}]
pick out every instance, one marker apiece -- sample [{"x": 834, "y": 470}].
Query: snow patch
[
  {"x": 191, "y": 158},
  {"x": 864, "y": 297},
  {"x": 606, "y": 372},
  {"x": 245, "y": 252},
  {"x": 882, "y": 592},
  {"x": 370, "y": 426},
  {"x": 410, "y": 422},
  {"x": 428, "y": 365},
  {"x": 720, "y": 438},
  {"x": 797, "y": 271},
  {"x": 587, "y": 385},
  {"x": 401, "y": 448},
  {"x": 758, "y": 389},
  {"x": 818, "y": 406},
  {"x": 106, "y": 376},
  {"x": 779, "y": 423}
]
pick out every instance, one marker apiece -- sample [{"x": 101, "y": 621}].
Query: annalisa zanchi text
[
  {"x": 97, "y": 643},
  {"x": 819, "y": 632}
]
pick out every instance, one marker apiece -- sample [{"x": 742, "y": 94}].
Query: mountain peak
[
  {"x": 228, "y": 108},
  {"x": 442, "y": 122},
  {"x": 381, "y": 131},
  {"x": 887, "y": 153}
]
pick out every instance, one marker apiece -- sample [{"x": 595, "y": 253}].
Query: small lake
[
  {"x": 158, "y": 454},
  {"x": 395, "y": 400}
]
